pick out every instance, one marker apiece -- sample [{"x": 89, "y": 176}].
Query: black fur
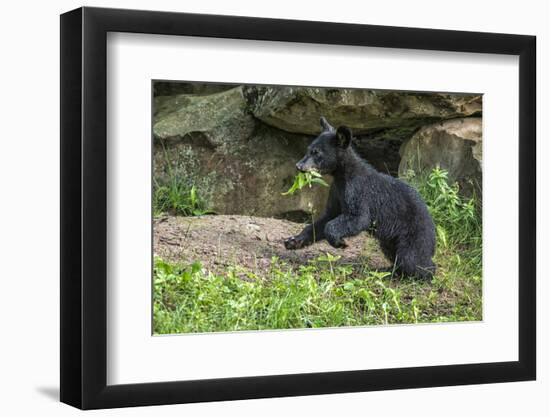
[{"x": 362, "y": 199}]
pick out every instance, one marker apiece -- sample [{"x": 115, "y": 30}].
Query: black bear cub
[{"x": 360, "y": 199}]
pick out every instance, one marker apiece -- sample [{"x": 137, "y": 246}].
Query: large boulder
[
  {"x": 297, "y": 109},
  {"x": 238, "y": 165},
  {"x": 218, "y": 118},
  {"x": 239, "y": 144},
  {"x": 454, "y": 145}
]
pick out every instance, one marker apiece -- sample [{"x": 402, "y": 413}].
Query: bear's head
[{"x": 325, "y": 153}]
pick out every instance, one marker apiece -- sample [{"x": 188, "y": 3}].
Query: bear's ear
[
  {"x": 325, "y": 125},
  {"x": 343, "y": 136}
]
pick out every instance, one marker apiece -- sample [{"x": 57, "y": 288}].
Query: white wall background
[{"x": 29, "y": 219}]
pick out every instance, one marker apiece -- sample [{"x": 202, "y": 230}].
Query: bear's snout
[{"x": 304, "y": 165}]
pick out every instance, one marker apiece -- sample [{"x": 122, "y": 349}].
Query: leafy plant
[
  {"x": 303, "y": 179},
  {"x": 458, "y": 219},
  {"x": 177, "y": 196},
  {"x": 179, "y": 199}
]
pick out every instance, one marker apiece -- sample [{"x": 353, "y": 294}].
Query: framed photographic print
[{"x": 255, "y": 208}]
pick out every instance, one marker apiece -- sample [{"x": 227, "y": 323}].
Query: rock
[
  {"x": 238, "y": 164},
  {"x": 239, "y": 144},
  {"x": 170, "y": 88},
  {"x": 214, "y": 119},
  {"x": 297, "y": 109},
  {"x": 454, "y": 145}
]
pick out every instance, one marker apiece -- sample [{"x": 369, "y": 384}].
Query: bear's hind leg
[
  {"x": 413, "y": 264},
  {"x": 388, "y": 249}
]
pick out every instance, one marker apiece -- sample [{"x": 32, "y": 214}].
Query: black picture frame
[{"x": 84, "y": 207}]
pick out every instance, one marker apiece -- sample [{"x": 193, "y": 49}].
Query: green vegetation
[
  {"x": 177, "y": 196},
  {"x": 305, "y": 178},
  {"x": 328, "y": 293}
]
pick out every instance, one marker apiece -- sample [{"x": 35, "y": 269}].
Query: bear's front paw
[
  {"x": 294, "y": 242},
  {"x": 337, "y": 243}
]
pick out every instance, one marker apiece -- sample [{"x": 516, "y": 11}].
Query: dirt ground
[{"x": 221, "y": 240}]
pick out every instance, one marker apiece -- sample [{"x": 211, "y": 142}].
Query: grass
[
  {"x": 327, "y": 293},
  {"x": 179, "y": 199},
  {"x": 176, "y": 195}
]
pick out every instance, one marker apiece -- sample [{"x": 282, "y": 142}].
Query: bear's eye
[{"x": 315, "y": 152}]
